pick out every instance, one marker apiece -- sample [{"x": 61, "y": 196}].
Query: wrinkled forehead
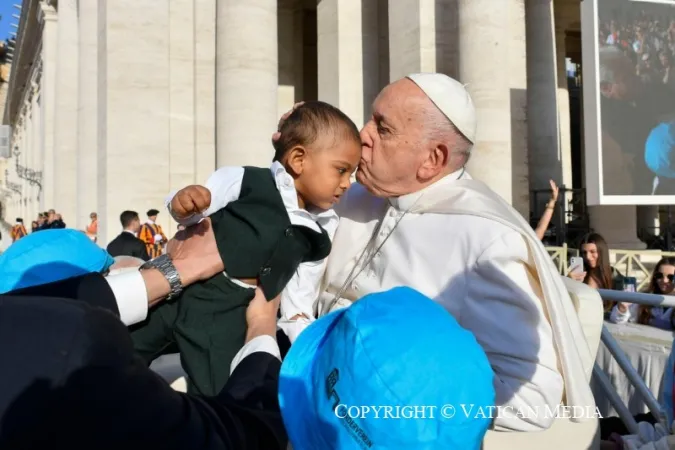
[{"x": 401, "y": 102}]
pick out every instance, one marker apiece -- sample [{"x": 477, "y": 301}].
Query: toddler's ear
[{"x": 295, "y": 160}]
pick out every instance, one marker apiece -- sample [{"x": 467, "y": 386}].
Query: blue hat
[
  {"x": 50, "y": 255},
  {"x": 659, "y": 150},
  {"x": 391, "y": 352}
]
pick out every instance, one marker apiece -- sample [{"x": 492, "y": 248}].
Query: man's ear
[
  {"x": 295, "y": 160},
  {"x": 437, "y": 159}
]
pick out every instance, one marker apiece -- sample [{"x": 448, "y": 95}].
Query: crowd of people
[
  {"x": 306, "y": 309},
  {"x": 636, "y": 54}
]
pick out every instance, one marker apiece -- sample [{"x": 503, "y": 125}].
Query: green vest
[{"x": 256, "y": 238}]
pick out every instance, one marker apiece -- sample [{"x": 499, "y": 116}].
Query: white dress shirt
[
  {"x": 478, "y": 269},
  {"x": 299, "y": 296}
]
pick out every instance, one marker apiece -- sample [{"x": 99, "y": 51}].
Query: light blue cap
[
  {"x": 396, "y": 349},
  {"x": 50, "y": 255},
  {"x": 659, "y": 149}
]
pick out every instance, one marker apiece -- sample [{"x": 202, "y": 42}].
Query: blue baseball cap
[
  {"x": 659, "y": 150},
  {"x": 381, "y": 374},
  {"x": 48, "y": 256}
]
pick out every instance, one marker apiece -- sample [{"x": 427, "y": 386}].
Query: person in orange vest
[
  {"x": 92, "y": 228},
  {"x": 18, "y": 230},
  {"x": 153, "y": 236}
]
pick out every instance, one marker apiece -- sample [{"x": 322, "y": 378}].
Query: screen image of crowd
[{"x": 636, "y": 53}]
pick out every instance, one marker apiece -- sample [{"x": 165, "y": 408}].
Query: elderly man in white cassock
[{"x": 416, "y": 218}]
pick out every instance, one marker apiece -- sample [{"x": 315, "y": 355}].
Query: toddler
[{"x": 273, "y": 227}]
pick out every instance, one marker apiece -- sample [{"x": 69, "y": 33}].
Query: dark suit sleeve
[
  {"x": 91, "y": 289},
  {"x": 121, "y": 401}
]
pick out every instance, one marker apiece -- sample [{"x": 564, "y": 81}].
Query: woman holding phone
[
  {"x": 596, "y": 271},
  {"x": 657, "y": 316}
]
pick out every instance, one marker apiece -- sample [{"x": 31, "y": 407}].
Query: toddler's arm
[
  {"x": 224, "y": 185},
  {"x": 298, "y": 298}
]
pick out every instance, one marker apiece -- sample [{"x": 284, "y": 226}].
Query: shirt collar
[
  {"x": 286, "y": 186},
  {"x": 149, "y": 222},
  {"x": 405, "y": 202},
  {"x": 130, "y": 232}
]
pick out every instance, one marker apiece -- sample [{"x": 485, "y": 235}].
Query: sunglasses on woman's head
[{"x": 659, "y": 276}]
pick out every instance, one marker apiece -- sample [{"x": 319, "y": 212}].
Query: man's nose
[{"x": 366, "y": 136}]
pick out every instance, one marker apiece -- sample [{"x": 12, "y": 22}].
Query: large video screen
[{"x": 629, "y": 101}]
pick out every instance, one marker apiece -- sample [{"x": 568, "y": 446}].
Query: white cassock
[{"x": 460, "y": 244}]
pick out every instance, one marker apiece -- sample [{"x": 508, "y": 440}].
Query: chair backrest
[{"x": 588, "y": 305}]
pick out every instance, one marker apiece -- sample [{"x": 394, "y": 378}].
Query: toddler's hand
[{"x": 190, "y": 200}]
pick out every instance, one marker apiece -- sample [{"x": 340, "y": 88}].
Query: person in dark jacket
[
  {"x": 76, "y": 382},
  {"x": 127, "y": 243}
]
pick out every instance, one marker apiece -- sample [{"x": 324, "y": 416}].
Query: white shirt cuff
[
  {"x": 131, "y": 296},
  {"x": 264, "y": 343}
]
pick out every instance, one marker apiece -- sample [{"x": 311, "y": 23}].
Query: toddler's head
[{"x": 320, "y": 147}]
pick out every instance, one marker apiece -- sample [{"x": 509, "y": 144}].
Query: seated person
[
  {"x": 272, "y": 227},
  {"x": 661, "y": 283}
]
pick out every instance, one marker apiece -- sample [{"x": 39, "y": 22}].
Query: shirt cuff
[
  {"x": 263, "y": 343},
  {"x": 131, "y": 296}
]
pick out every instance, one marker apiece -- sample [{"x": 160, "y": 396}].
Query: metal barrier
[{"x": 621, "y": 358}]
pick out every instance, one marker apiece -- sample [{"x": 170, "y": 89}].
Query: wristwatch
[{"x": 165, "y": 266}]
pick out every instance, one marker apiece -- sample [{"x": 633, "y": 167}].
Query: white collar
[
  {"x": 405, "y": 202},
  {"x": 286, "y": 186},
  {"x": 149, "y": 222},
  {"x": 130, "y": 232}
]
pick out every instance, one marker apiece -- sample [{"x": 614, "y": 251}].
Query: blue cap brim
[{"x": 297, "y": 374}]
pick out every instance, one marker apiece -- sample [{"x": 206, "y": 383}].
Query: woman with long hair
[
  {"x": 597, "y": 271},
  {"x": 662, "y": 283}
]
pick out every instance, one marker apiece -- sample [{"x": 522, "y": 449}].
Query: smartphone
[{"x": 576, "y": 264}]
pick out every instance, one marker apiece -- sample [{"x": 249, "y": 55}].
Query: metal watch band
[{"x": 164, "y": 264}]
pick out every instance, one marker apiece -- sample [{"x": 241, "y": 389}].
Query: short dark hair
[
  {"x": 19, "y": 219},
  {"x": 127, "y": 217},
  {"x": 152, "y": 212},
  {"x": 310, "y": 121}
]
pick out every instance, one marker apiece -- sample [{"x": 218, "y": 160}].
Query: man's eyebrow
[{"x": 380, "y": 117}]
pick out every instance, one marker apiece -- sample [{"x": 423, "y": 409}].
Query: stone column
[
  {"x": 134, "y": 107},
  {"x": 246, "y": 81},
  {"x": 290, "y": 25},
  {"x": 205, "y": 89},
  {"x": 423, "y": 37},
  {"x": 340, "y": 42},
  {"x": 563, "y": 106},
  {"x": 36, "y": 153},
  {"x": 484, "y": 62},
  {"x": 648, "y": 219},
  {"x": 65, "y": 147},
  {"x": 518, "y": 97},
  {"x": 87, "y": 129},
  {"x": 545, "y": 158},
  {"x": 48, "y": 100},
  {"x": 27, "y": 156},
  {"x": 182, "y": 97}
]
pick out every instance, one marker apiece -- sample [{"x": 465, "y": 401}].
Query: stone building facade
[{"x": 113, "y": 104}]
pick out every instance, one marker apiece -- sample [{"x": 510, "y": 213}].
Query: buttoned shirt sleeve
[
  {"x": 503, "y": 308},
  {"x": 298, "y": 298},
  {"x": 225, "y": 187},
  {"x": 302, "y": 292}
]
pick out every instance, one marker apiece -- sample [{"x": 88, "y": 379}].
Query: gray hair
[
  {"x": 610, "y": 60},
  {"x": 439, "y": 127}
]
